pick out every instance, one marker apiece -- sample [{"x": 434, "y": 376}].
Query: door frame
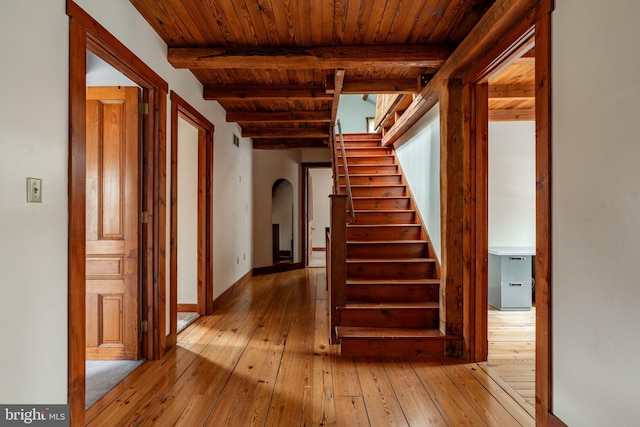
[
  {"x": 85, "y": 33},
  {"x": 304, "y": 207},
  {"x": 536, "y": 29},
  {"x": 181, "y": 109}
]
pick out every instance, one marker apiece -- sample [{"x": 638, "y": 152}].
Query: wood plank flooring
[{"x": 263, "y": 359}]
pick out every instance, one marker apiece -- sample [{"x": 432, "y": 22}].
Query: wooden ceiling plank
[
  {"x": 278, "y": 116},
  {"x": 328, "y": 57},
  {"x": 264, "y": 92},
  {"x": 280, "y": 133}
]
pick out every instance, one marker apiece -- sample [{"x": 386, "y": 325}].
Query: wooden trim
[
  {"x": 319, "y": 249},
  {"x": 544, "y": 231},
  {"x": 304, "y": 213},
  {"x": 77, "y": 220},
  {"x": 512, "y": 115},
  {"x": 184, "y": 308},
  {"x": 476, "y": 298},
  {"x": 453, "y": 192},
  {"x": 232, "y": 290},
  {"x": 277, "y": 268},
  {"x": 86, "y": 33},
  {"x": 181, "y": 108}
]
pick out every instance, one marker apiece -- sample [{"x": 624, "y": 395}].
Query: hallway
[{"x": 264, "y": 359}]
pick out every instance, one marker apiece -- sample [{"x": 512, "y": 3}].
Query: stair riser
[
  {"x": 392, "y": 250},
  {"x": 362, "y": 144},
  {"x": 371, "y": 179},
  {"x": 390, "y": 318},
  {"x": 390, "y": 270},
  {"x": 392, "y": 293},
  {"x": 369, "y": 170},
  {"x": 366, "y": 151},
  {"x": 372, "y": 218},
  {"x": 376, "y": 191},
  {"x": 369, "y": 346},
  {"x": 369, "y": 160},
  {"x": 382, "y": 204},
  {"x": 384, "y": 233}
]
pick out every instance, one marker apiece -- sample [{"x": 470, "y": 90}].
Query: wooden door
[{"x": 112, "y": 218}]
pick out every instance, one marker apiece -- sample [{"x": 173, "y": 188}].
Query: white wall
[
  {"x": 322, "y": 181},
  {"x": 418, "y": 153},
  {"x": 512, "y": 184},
  {"x": 34, "y": 143},
  {"x": 352, "y": 113},
  {"x": 34, "y": 42},
  {"x": 596, "y": 212},
  {"x": 187, "y": 244}
]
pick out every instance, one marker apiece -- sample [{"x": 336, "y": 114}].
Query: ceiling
[{"x": 278, "y": 67}]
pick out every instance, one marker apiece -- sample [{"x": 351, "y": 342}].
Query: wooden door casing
[{"x": 112, "y": 224}]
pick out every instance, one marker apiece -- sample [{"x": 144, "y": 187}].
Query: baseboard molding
[
  {"x": 554, "y": 421},
  {"x": 232, "y": 290},
  {"x": 319, "y": 249},
  {"x": 277, "y": 268},
  {"x": 182, "y": 308}
]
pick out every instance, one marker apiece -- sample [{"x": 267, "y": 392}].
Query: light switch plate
[{"x": 34, "y": 190}]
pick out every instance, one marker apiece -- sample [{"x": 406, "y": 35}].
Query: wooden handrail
[{"x": 347, "y": 182}]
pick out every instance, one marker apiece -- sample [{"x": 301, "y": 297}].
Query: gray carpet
[
  {"x": 185, "y": 319},
  {"x": 103, "y": 375}
]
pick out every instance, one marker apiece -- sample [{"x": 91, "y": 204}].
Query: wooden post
[
  {"x": 337, "y": 256},
  {"x": 453, "y": 191}
]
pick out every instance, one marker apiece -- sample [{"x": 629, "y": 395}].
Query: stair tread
[
  {"x": 384, "y": 242},
  {"x": 390, "y": 305},
  {"x": 393, "y": 282},
  {"x": 390, "y": 333},
  {"x": 390, "y": 260},
  {"x": 385, "y": 210}
]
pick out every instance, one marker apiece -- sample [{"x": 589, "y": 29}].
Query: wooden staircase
[{"x": 392, "y": 284}]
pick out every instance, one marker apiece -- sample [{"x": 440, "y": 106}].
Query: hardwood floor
[{"x": 264, "y": 359}]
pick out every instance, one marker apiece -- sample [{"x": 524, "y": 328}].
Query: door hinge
[
  {"x": 144, "y": 108},
  {"x": 144, "y": 217},
  {"x": 144, "y": 326}
]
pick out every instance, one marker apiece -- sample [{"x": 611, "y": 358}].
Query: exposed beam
[
  {"x": 501, "y": 17},
  {"x": 512, "y": 92},
  {"x": 520, "y": 114},
  {"x": 285, "y": 144},
  {"x": 338, "y": 81},
  {"x": 280, "y": 133},
  {"x": 265, "y": 92},
  {"x": 301, "y": 58},
  {"x": 279, "y": 116},
  {"x": 378, "y": 86}
]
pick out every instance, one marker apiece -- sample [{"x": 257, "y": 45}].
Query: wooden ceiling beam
[
  {"x": 287, "y": 144},
  {"x": 265, "y": 92},
  {"x": 512, "y": 115},
  {"x": 279, "y": 116},
  {"x": 512, "y": 92},
  {"x": 301, "y": 58},
  {"x": 377, "y": 86},
  {"x": 281, "y": 133}
]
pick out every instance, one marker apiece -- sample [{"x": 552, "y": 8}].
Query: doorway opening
[
  {"x": 191, "y": 247},
  {"x": 282, "y": 222},
  {"x": 87, "y": 35},
  {"x": 317, "y": 181}
]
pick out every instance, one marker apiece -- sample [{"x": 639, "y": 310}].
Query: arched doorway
[{"x": 282, "y": 221}]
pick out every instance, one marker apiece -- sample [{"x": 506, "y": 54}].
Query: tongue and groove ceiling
[{"x": 278, "y": 66}]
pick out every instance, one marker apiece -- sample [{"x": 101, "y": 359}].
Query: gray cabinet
[{"x": 510, "y": 278}]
